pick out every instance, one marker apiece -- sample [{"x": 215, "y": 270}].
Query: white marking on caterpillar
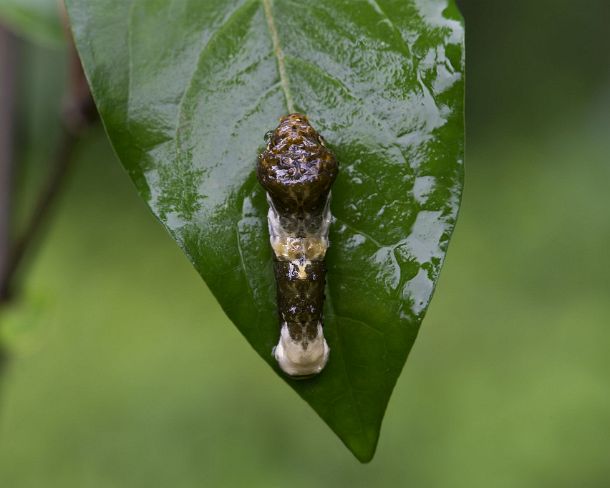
[{"x": 296, "y": 361}]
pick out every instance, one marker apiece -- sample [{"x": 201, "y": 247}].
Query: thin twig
[
  {"x": 79, "y": 113},
  {"x": 42, "y": 208},
  {"x": 7, "y": 156}
]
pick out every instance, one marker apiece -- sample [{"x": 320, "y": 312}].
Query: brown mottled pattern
[
  {"x": 297, "y": 170},
  {"x": 300, "y": 301}
]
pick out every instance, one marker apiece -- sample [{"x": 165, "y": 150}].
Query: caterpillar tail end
[{"x": 298, "y": 360}]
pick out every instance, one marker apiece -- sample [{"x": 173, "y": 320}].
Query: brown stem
[
  {"x": 42, "y": 208},
  {"x": 79, "y": 113},
  {"x": 7, "y": 128}
]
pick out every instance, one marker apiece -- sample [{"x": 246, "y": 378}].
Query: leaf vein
[
  {"x": 348, "y": 91},
  {"x": 368, "y": 236},
  {"x": 200, "y": 56},
  {"x": 279, "y": 54}
]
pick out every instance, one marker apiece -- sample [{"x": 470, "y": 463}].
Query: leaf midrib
[{"x": 279, "y": 55}]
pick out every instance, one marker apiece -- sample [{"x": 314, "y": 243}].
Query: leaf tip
[{"x": 363, "y": 447}]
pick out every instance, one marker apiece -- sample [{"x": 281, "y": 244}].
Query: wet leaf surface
[{"x": 188, "y": 89}]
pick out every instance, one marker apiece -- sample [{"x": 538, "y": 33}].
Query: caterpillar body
[{"x": 297, "y": 171}]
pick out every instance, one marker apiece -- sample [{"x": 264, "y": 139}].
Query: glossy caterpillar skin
[{"x": 297, "y": 170}]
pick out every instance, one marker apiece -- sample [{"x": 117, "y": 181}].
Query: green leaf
[
  {"x": 187, "y": 90},
  {"x": 38, "y": 20}
]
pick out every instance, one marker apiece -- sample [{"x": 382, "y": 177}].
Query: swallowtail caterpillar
[{"x": 297, "y": 170}]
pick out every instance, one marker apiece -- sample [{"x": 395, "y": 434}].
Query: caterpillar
[{"x": 297, "y": 171}]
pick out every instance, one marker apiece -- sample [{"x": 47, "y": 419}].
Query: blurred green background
[{"x": 126, "y": 373}]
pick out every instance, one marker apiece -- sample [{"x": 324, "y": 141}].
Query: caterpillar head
[{"x": 296, "y": 168}]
